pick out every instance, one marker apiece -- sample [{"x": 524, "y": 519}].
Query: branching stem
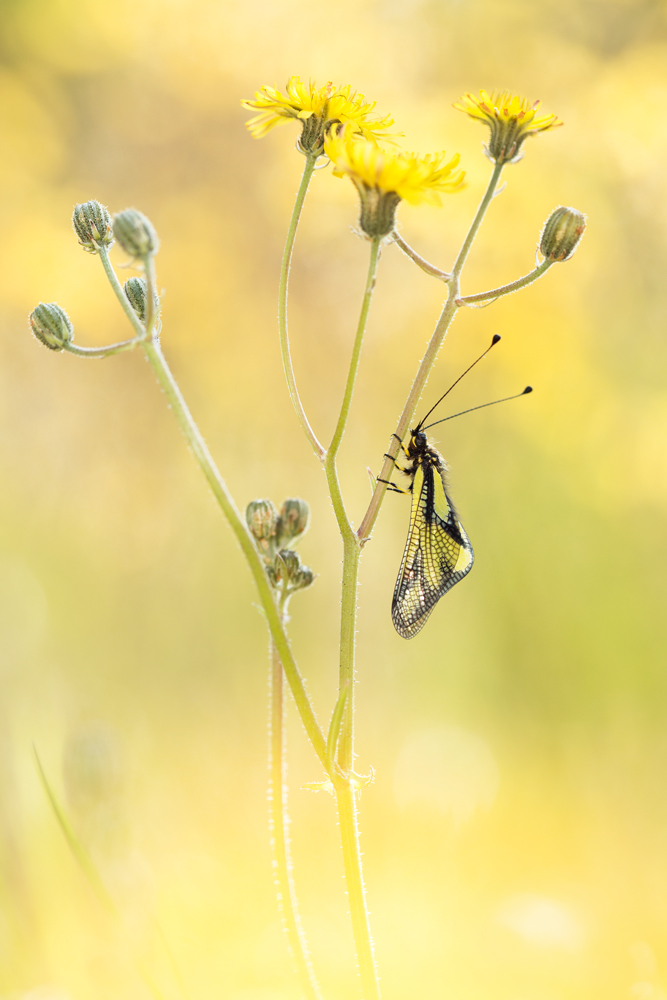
[
  {"x": 135, "y": 322},
  {"x": 238, "y": 526},
  {"x": 101, "y": 352},
  {"x": 435, "y": 272},
  {"x": 226, "y": 502},
  {"x": 513, "y": 286},
  {"x": 447, "y": 315}
]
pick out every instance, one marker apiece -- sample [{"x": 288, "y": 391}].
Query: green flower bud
[
  {"x": 287, "y": 564},
  {"x": 288, "y": 568},
  {"x": 262, "y": 520},
  {"x": 92, "y": 224},
  {"x": 561, "y": 234},
  {"x": 294, "y": 521},
  {"x": 135, "y": 234},
  {"x": 304, "y": 578},
  {"x": 51, "y": 325},
  {"x": 135, "y": 289}
]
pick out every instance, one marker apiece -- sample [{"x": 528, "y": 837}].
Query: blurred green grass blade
[
  {"x": 94, "y": 879},
  {"x": 81, "y": 856}
]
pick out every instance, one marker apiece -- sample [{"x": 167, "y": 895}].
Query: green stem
[
  {"x": 347, "y": 813},
  {"x": 347, "y": 819},
  {"x": 447, "y": 315},
  {"x": 279, "y": 825},
  {"x": 151, "y": 294},
  {"x": 344, "y": 524},
  {"x": 348, "y": 631},
  {"x": 282, "y": 306},
  {"x": 335, "y": 725},
  {"x": 356, "y": 350},
  {"x": 102, "y": 352},
  {"x": 351, "y": 547},
  {"x": 226, "y": 502},
  {"x": 477, "y": 221},
  {"x": 238, "y": 526},
  {"x": 435, "y": 272},
  {"x": 136, "y": 323},
  {"x": 513, "y": 286}
]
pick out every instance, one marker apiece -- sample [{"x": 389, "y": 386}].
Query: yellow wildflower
[
  {"x": 384, "y": 178},
  {"x": 318, "y": 109},
  {"x": 511, "y": 120}
]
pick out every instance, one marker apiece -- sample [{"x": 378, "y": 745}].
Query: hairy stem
[
  {"x": 435, "y": 272},
  {"x": 351, "y": 548},
  {"x": 347, "y": 813},
  {"x": 513, "y": 286},
  {"x": 238, "y": 526},
  {"x": 282, "y": 306},
  {"x": 477, "y": 221},
  {"x": 447, "y": 315},
  {"x": 101, "y": 352},
  {"x": 279, "y": 826},
  {"x": 151, "y": 295},
  {"x": 226, "y": 502},
  {"x": 347, "y": 818},
  {"x": 356, "y": 350},
  {"x": 135, "y": 322}
]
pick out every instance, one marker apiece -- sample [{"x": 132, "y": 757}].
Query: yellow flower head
[
  {"x": 511, "y": 120},
  {"x": 318, "y": 109},
  {"x": 384, "y": 178}
]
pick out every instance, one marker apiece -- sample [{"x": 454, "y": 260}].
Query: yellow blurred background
[{"x": 515, "y": 838}]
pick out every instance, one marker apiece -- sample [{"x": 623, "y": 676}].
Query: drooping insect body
[{"x": 438, "y": 552}]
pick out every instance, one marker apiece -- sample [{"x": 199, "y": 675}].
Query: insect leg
[
  {"x": 392, "y": 486},
  {"x": 403, "y": 448}
]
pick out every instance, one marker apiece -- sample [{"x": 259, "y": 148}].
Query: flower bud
[
  {"x": 288, "y": 569},
  {"x": 92, "y": 224},
  {"x": 135, "y": 234},
  {"x": 135, "y": 289},
  {"x": 51, "y": 324},
  {"x": 262, "y": 520},
  {"x": 287, "y": 564},
  {"x": 294, "y": 520},
  {"x": 304, "y": 579},
  {"x": 561, "y": 234}
]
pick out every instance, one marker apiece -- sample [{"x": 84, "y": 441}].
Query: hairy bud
[
  {"x": 294, "y": 520},
  {"x": 92, "y": 224},
  {"x": 288, "y": 569},
  {"x": 562, "y": 233},
  {"x": 51, "y": 325},
  {"x": 135, "y": 233},
  {"x": 262, "y": 520},
  {"x": 136, "y": 290}
]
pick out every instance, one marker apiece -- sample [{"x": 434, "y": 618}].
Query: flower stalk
[
  {"x": 279, "y": 828},
  {"x": 435, "y": 272},
  {"x": 222, "y": 495},
  {"x": 513, "y": 286},
  {"x": 308, "y": 169}
]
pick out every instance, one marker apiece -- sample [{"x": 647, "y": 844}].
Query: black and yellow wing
[{"x": 437, "y": 553}]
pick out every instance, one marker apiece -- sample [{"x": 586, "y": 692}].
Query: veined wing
[{"x": 437, "y": 553}]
